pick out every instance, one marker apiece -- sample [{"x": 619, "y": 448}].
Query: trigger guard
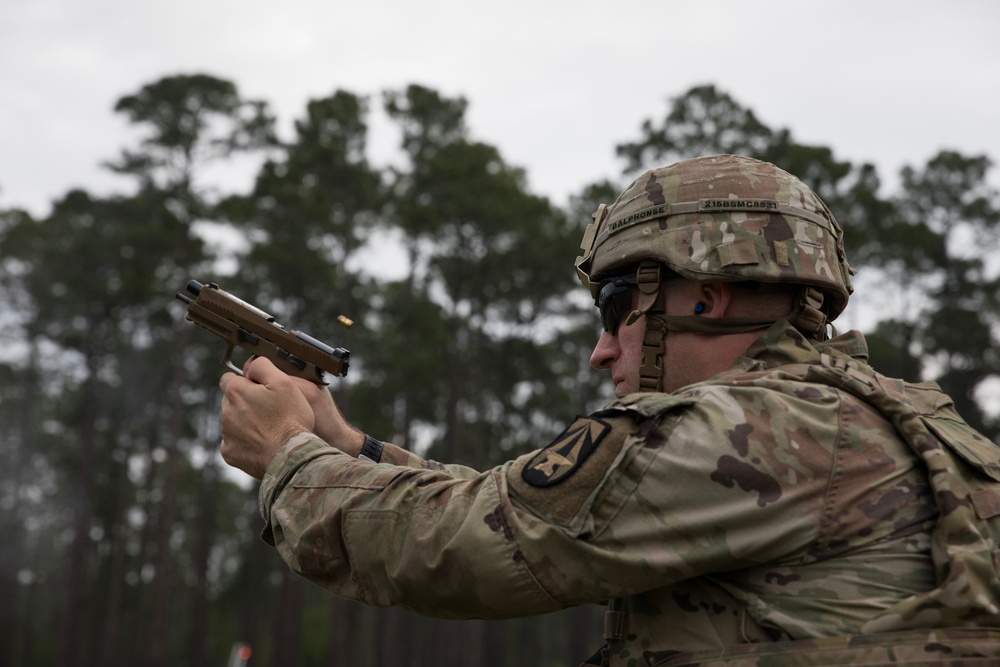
[{"x": 227, "y": 360}]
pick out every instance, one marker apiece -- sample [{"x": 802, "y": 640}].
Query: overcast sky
[{"x": 555, "y": 84}]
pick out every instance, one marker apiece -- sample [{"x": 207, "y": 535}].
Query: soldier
[{"x": 756, "y": 494}]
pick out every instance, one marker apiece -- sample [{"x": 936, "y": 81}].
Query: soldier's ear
[{"x": 714, "y": 300}]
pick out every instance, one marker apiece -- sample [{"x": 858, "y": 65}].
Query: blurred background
[{"x": 426, "y": 169}]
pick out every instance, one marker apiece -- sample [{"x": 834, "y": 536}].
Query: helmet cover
[{"x": 722, "y": 218}]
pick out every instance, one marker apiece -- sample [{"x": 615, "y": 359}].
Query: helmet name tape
[
  {"x": 645, "y": 214},
  {"x": 738, "y": 205}
]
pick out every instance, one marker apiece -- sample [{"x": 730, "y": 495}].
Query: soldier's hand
[
  {"x": 261, "y": 411},
  {"x": 330, "y": 425}
]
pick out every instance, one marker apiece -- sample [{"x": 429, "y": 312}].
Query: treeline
[{"x": 126, "y": 539}]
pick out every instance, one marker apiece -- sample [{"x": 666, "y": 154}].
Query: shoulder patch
[{"x": 564, "y": 455}]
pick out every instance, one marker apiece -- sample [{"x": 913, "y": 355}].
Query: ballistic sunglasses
[{"x": 614, "y": 301}]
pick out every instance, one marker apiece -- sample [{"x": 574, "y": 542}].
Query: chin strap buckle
[
  {"x": 647, "y": 280},
  {"x": 808, "y": 316}
]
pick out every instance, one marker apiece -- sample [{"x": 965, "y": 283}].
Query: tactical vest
[{"x": 958, "y": 621}]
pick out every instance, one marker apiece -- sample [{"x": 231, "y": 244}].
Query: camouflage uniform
[
  {"x": 763, "y": 505},
  {"x": 796, "y": 509}
]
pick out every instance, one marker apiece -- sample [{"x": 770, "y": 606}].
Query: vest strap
[{"x": 614, "y": 625}]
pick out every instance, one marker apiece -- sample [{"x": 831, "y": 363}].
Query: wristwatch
[{"x": 371, "y": 450}]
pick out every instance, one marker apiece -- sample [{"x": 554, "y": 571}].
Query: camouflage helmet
[{"x": 722, "y": 218}]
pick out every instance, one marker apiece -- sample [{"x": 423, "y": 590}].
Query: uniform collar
[{"x": 784, "y": 344}]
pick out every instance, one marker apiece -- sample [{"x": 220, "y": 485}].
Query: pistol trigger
[{"x": 227, "y": 359}]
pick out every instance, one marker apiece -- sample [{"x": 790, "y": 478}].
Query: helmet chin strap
[
  {"x": 654, "y": 339},
  {"x": 807, "y": 316}
]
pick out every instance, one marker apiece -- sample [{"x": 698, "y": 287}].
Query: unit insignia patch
[{"x": 566, "y": 453}]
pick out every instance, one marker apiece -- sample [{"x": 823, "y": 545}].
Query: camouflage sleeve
[
  {"x": 385, "y": 534},
  {"x": 772, "y": 484},
  {"x": 621, "y": 502},
  {"x": 689, "y": 489},
  {"x": 398, "y": 456}
]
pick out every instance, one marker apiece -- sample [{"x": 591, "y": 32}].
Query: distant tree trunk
[
  {"x": 288, "y": 621},
  {"x": 494, "y": 649},
  {"x": 343, "y": 633},
  {"x": 472, "y": 643},
  {"x": 111, "y": 636},
  {"x": 20, "y": 426},
  {"x": 459, "y": 643},
  {"x": 70, "y": 650},
  {"x": 208, "y": 492},
  {"x": 583, "y": 636},
  {"x": 13, "y": 593},
  {"x": 527, "y": 642},
  {"x": 163, "y": 589},
  {"x": 111, "y": 643},
  {"x": 17, "y": 612},
  {"x": 140, "y": 623},
  {"x": 451, "y": 451},
  {"x": 407, "y": 427},
  {"x": 393, "y": 644},
  {"x": 26, "y": 649},
  {"x": 254, "y": 598},
  {"x": 163, "y": 576}
]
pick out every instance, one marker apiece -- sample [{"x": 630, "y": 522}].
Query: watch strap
[{"x": 371, "y": 450}]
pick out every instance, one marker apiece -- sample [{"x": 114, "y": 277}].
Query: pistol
[{"x": 240, "y": 324}]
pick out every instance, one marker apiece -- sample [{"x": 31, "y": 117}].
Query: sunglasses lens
[
  {"x": 614, "y": 301},
  {"x": 617, "y": 311}
]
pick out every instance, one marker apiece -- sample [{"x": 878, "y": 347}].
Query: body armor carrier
[{"x": 958, "y": 621}]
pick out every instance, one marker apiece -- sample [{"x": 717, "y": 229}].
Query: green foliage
[
  {"x": 952, "y": 211},
  {"x": 471, "y": 344},
  {"x": 704, "y": 121},
  {"x": 192, "y": 119},
  {"x": 890, "y": 348},
  {"x": 311, "y": 210}
]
